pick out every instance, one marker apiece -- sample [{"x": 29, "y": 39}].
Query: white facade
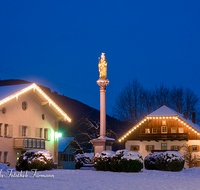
[{"x": 28, "y": 120}]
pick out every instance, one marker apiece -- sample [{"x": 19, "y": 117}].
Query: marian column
[{"x": 102, "y": 143}]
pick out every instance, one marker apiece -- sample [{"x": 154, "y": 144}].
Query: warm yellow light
[
  {"x": 142, "y": 121},
  {"x": 170, "y": 117},
  {"x": 166, "y": 117},
  {"x": 35, "y": 87},
  {"x": 181, "y": 121},
  {"x": 147, "y": 117},
  {"x": 129, "y": 132},
  {"x": 124, "y": 136},
  {"x": 132, "y": 129},
  {"x": 195, "y": 132},
  {"x": 184, "y": 123},
  {"x": 160, "y": 117},
  {"x": 150, "y": 117},
  {"x": 153, "y": 117},
  {"x": 156, "y": 117},
  {"x": 187, "y": 126},
  {"x": 163, "y": 117},
  {"x": 120, "y": 140},
  {"x": 178, "y": 119},
  {"x": 192, "y": 129}
]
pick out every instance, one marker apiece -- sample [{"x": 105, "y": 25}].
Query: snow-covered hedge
[
  {"x": 35, "y": 159},
  {"x": 83, "y": 160},
  {"x": 121, "y": 161},
  {"x": 166, "y": 161}
]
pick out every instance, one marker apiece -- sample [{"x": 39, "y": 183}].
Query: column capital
[{"x": 103, "y": 83}]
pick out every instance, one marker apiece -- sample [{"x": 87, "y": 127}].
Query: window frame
[
  {"x": 147, "y": 129},
  {"x": 5, "y": 158},
  {"x": 179, "y": 129},
  {"x": 162, "y": 129},
  {"x": 172, "y": 130},
  {"x": 153, "y": 131},
  {"x": 163, "y": 146},
  {"x": 137, "y": 148}
]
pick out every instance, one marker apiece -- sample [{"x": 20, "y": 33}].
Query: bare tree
[{"x": 134, "y": 102}]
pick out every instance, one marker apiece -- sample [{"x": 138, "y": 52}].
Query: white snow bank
[
  {"x": 104, "y": 154},
  {"x": 129, "y": 155}
]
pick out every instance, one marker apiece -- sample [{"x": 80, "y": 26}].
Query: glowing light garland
[
  {"x": 35, "y": 87},
  {"x": 147, "y": 118}
]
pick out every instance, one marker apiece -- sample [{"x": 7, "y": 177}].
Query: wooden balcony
[
  {"x": 163, "y": 136},
  {"x": 28, "y": 143}
]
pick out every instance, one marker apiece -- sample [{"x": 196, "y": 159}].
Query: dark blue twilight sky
[{"x": 57, "y": 44}]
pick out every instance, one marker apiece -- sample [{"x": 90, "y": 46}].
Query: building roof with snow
[
  {"x": 64, "y": 142},
  {"x": 164, "y": 113},
  {"x": 10, "y": 92}
]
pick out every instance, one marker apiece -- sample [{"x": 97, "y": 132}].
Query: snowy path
[{"x": 88, "y": 179}]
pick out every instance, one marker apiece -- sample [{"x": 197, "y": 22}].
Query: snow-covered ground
[{"x": 91, "y": 179}]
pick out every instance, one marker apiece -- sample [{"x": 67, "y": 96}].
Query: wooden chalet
[{"x": 162, "y": 130}]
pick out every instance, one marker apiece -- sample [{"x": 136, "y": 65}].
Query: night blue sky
[{"x": 57, "y": 44}]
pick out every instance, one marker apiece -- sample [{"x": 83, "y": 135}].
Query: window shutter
[
  {"x": 29, "y": 131},
  {"x": 152, "y": 147},
  {"x": 147, "y": 147},
  {"x": 49, "y": 134},
  {"x": 10, "y": 130},
  {"x": 38, "y": 132},
  {"x": 178, "y": 148},
  {"x": 138, "y": 148},
  {"x": 172, "y": 147},
  {"x": 197, "y": 148},
  {"x": 20, "y": 131},
  {"x": 190, "y": 148}
]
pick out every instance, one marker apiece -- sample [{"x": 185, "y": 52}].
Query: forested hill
[{"x": 76, "y": 110}]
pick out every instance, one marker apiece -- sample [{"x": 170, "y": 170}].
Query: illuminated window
[
  {"x": 164, "y": 129},
  {"x": 176, "y": 148},
  {"x": 154, "y": 130},
  {"x": 134, "y": 147},
  {"x": 149, "y": 147},
  {"x": 180, "y": 130},
  {"x": 163, "y": 146},
  {"x": 147, "y": 130},
  {"x": 164, "y": 122},
  {"x": 173, "y": 130}
]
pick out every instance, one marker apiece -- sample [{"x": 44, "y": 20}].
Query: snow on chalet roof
[
  {"x": 7, "y": 93},
  {"x": 165, "y": 112},
  {"x": 63, "y": 143}
]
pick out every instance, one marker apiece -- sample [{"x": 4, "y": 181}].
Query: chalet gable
[
  {"x": 164, "y": 113},
  {"x": 8, "y": 93}
]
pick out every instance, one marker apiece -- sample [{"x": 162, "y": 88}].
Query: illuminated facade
[
  {"x": 163, "y": 129},
  {"x": 28, "y": 120}
]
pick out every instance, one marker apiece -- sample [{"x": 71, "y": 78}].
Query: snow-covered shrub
[
  {"x": 121, "y": 161},
  {"x": 165, "y": 161},
  {"x": 102, "y": 160},
  {"x": 35, "y": 159},
  {"x": 126, "y": 161},
  {"x": 83, "y": 160}
]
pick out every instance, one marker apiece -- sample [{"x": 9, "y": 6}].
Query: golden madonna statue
[{"x": 103, "y": 67}]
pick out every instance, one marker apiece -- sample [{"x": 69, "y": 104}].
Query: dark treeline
[{"x": 134, "y": 102}]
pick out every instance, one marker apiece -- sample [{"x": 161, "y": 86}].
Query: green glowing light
[{"x": 57, "y": 135}]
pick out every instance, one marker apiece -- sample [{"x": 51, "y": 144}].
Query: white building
[{"x": 28, "y": 120}]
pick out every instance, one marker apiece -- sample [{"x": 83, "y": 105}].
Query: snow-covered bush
[
  {"x": 35, "y": 159},
  {"x": 83, "y": 160},
  {"x": 102, "y": 160},
  {"x": 166, "y": 161},
  {"x": 126, "y": 161},
  {"x": 121, "y": 161}
]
